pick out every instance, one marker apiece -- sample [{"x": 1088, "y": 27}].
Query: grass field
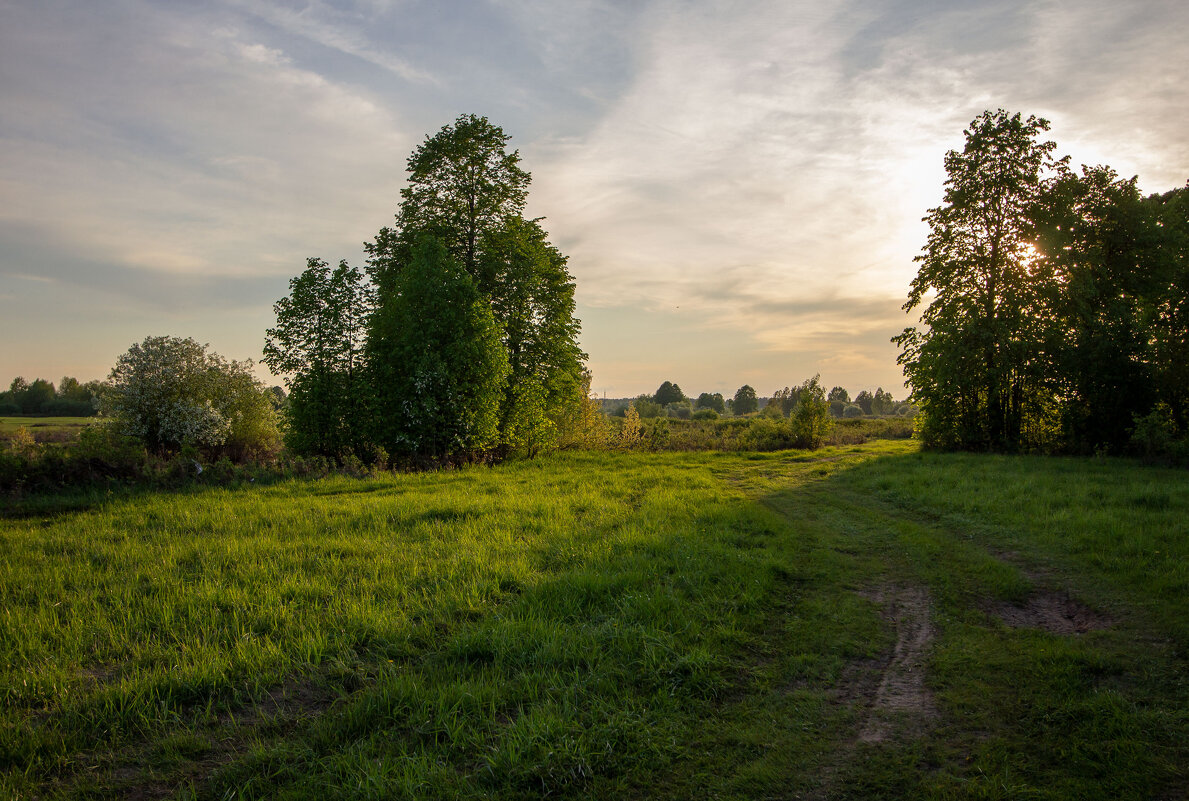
[
  {"x": 858, "y": 622},
  {"x": 46, "y": 429}
]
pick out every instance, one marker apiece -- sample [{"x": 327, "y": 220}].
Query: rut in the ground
[{"x": 901, "y": 701}]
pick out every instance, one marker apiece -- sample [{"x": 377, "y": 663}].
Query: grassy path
[{"x": 863, "y": 622}]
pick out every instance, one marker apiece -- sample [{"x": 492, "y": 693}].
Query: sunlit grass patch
[{"x": 597, "y": 625}]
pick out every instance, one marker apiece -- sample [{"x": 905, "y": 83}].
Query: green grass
[
  {"x": 46, "y": 427},
  {"x": 601, "y": 625}
]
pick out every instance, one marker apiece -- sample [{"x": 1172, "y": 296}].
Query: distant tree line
[
  {"x": 669, "y": 401},
  {"x": 71, "y": 398},
  {"x": 1055, "y": 303}
]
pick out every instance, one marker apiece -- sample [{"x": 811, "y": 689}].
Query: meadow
[
  {"x": 45, "y": 429},
  {"x": 862, "y": 621}
]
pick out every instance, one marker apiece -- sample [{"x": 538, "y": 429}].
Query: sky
[{"x": 739, "y": 186}]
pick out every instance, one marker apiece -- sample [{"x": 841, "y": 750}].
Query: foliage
[
  {"x": 667, "y": 393},
  {"x": 977, "y": 371},
  {"x": 583, "y": 425},
  {"x": 438, "y": 364},
  {"x": 462, "y": 185},
  {"x": 70, "y": 399},
  {"x": 1060, "y": 314},
  {"x": 631, "y": 434},
  {"x": 851, "y": 411},
  {"x": 811, "y": 422},
  {"x": 532, "y": 297},
  {"x": 838, "y": 394},
  {"x": 1155, "y": 435},
  {"x": 745, "y": 401},
  {"x": 318, "y": 342},
  {"x": 712, "y": 401},
  {"x": 466, "y": 191},
  {"x": 647, "y": 408},
  {"x": 171, "y": 392}
]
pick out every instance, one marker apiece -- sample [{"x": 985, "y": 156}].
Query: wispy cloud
[{"x": 739, "y": 185}]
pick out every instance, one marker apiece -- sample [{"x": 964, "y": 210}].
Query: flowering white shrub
[{"x": 172, "y": 392}]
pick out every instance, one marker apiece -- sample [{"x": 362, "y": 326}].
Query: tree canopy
[{"x": 1054, "y": 302}]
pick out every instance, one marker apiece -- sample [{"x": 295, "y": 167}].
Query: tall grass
[{"x": 595, "y": 625}]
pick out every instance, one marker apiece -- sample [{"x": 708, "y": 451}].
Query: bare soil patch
[
  {"x": 1053, "y": 612},
  {"x": 900, "y": 700}
]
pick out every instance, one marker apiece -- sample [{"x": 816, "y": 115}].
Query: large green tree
[
  {"x": 318, "y": 342},
  {"x": 462, "y": 184},
  {"x": 468, "y": 192},
  {"x": 1101, "y": 274},
  {"x": 437, "y": 362},
  {"x": 977, "y": 365},
  {"x": 745, "y": 401}
]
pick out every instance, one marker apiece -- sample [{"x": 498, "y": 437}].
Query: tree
[
  {"x": 468, "y": 192},
  {"x": 882, "y": 402},
  {"x": 319, "y": 342},
  {"x": 171, "y": 392},
  {"x": 532, "y": 297},
  {"x": 437, "y": 361},
  {"x": 785, "y": 400},
  {"x": 713, "y": 401},
  {"x": 631, "y": 433},
  {"x": 745, "y": 400},
  {"x": 1169, "y": 321},
  {"x": 1096, "y": 230},
  {"x": 838, "y": 394},
  {"x": 667, "y": 393},
  {"x": 811, "y": 422},
  {"x": 865, "y": 401},
  {"x": 462, "y": 184},
  {"x": 976, "y": 369}
]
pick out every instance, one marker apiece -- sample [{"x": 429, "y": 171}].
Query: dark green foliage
[
  {"x": 1059, "y": 311},
  {"x": 466, "y": 191},
  {"x": 462, "y": 185},
  {"x": 437, "y": 362},
  {"x": 70, "y": 399},
  {"x": 532, "y": 297},
  {"x": 647, "y": 408},
  {"x": 713, "y": 401},
  {"x": 838, "y": 394},
  {"x": 667, "y": 393},
  {"x": 810, "y": 421},
  {"x": 882, "y": 402},
  {"x": 975, "y": 369},
  {"x": 319, "y": 342},
  {"x": 745, "y": 401},
  {"x": 852, "y": 410},
  {"x": 785, "y": 400}
]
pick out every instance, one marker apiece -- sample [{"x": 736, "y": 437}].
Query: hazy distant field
[
  {"x": 857, "y": 622},
  {"x": 45, "y": 429}
]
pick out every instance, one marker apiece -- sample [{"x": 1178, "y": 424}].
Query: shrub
[
  {"x": 852, "y": 411},
  {"x": 170, "y": 392},
  {"x": 705, "y": 414},
  {"x": 1155, "y": 434},
  {"x": 811, "y": 422},
  {"x": 630, "y": 434}
]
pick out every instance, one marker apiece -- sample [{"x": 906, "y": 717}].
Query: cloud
[
  {"x": 751, "y": 175},
  {"x": 771, "y": 162},
  {"x": 193, "y": 151}
]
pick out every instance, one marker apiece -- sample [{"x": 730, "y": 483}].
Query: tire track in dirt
[{"x": 900, "y": 703}]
